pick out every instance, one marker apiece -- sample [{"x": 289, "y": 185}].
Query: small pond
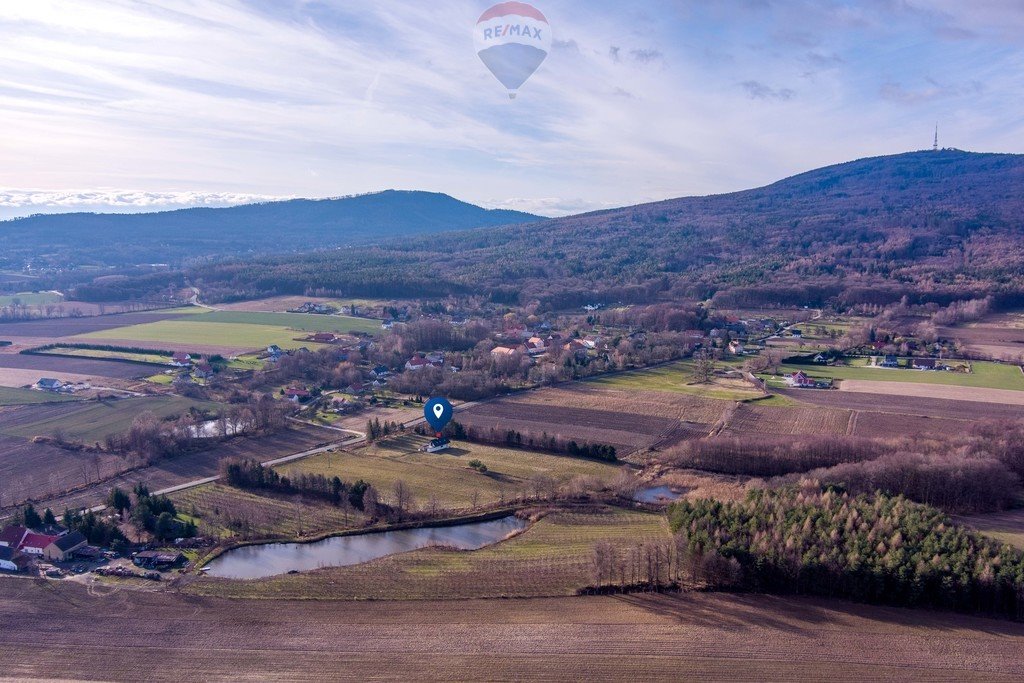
[
  {"x": 657, "y": 494},
  {"x": 269, "y": 559}
]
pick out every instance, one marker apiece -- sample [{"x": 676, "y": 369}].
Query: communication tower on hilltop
[{"x": 935, "y": 145}]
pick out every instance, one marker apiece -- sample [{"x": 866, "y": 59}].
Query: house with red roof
[
  {"x": 36, "y": 544},
  {"x": 181, "y": 359},
  {"x": 417, "y": 362},
  {"x": 12, "y": 536},
  {"x": 296, "y": 393},
  {"x": 800, "y": 379}
]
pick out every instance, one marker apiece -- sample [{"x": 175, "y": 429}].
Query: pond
[
  {"x": 270, "y": 559},
  {"x": 657, "y": 494}
]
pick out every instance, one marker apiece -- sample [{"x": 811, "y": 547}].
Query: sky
[{"x": 130, "y": 106}]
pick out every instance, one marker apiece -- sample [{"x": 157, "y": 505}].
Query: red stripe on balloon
[{"x": 520, "y": 8}]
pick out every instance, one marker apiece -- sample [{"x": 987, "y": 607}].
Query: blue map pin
[{"x": 438, "y": 412}]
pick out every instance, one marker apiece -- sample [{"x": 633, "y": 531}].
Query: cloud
[
  {"x": 646, "y": 56},
  {"x": 549, "y": 206},
  {"x": 25, "y": 202},
  {"x": 246, "y": 100},
  {"x": 757, "y": 90},
  {"x": 930, "y": 92}
]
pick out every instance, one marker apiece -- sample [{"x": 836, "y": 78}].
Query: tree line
[{"x": 885, "y": 549}]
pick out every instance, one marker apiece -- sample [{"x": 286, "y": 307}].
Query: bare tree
[
  {"x": 402, "y": 498},
  {"x": 703, "y": 365}
]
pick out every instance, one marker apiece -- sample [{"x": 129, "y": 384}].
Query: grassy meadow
[
  {"x": 447, "y": 474},
  {"x": 678, "y": 378},
  {"x": 984, "y": 375},
  {"x": 31, "y": 298},
  {"x": 15, "y": 397},
  {"x": 92, "y": 421}
]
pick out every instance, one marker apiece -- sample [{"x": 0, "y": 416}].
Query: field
[
  {"x": 1000, "y": 336},
  {"x": 185, "y": 468},
  {"x": 32, "y": 470},
  {"x": 940, "y": 408},
  {"x": 91, "y": 421},
  {"x": 983, "y": 375},
  {"x": 295, "y": 321},
  {"x": 222, "y": 511},
  {"x": 553, "y": 557},
  {"x": 678, "y": 377},
  {"x": 692, "y": 636},
  {"x": 15, "y": 397},
  {"x": 231, "y": 331},
  {"x": 630, "y": 420},
  {"x": 1006, "y": 526},
  {"x": 906, "y": 389},
  {"x": 61, "y": 366},
  {"x": 54, "y": 328},
  {"x": 67, "y": 351},
  {"x": 31, "y": 298},
  {"x": 447, "y": 474},
  {"x": 196, "y": 335},
  {"x": 282, "y": 304},
  {"x": 876, "y": 424},
  {"x": 756, "y": 419}
]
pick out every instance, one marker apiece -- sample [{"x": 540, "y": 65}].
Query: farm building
[
  {"x": 502, "y": 351},
  {"x": 438, "y": 444},
  {"x": 890, "y": 361},
  {"x": 296, "y": 393},
  {"x": 36, "y": 544},
  {"x": 7, "y": 559},
  {"x": 50, "y": 384},
  {"x": 180, "y": 359},
  {"x": 801, "y": 380},
  {"x": 157, "y": 559},
  {"x": 203, "y": 371},
  {"x": 64, "y": 546},
  {"x": 12, "y": 536},
  {"x": 416, "y": 363}
]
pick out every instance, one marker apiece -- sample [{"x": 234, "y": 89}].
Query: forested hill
[
  {"x": 929, "y": 225},
  {"x": 272, "y": 227}
]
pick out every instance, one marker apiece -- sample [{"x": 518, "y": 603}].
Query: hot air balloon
[{"x": 512, "y": 39}]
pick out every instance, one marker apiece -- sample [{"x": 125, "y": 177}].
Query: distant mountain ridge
[
  {"x": 930, "y": 225},
  {"x": 289, "y": 225}
]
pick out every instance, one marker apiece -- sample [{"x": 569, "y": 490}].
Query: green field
[
  {"x": 447, "y": 474},
  {"x": 553, "y": 557},
  {"x": 98, "y": 353},
  {"x": 31, "y": 298},
  {"x": 985, "y": 375},
  {"x": 304, "y": 322},
  {"x": 676, "y": 377},
  {"x": 15, "y": 397},
  {"x": 92, "y": 421},
  {"x": 183, "y": 333}
]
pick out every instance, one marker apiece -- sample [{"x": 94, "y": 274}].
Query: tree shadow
[{"x": 803, "y": 614}]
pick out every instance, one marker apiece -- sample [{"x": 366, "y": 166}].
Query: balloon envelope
[{"x": 512, "y": 40}]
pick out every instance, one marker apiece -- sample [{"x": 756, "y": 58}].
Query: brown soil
[{"x": 65, "y": 630}]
